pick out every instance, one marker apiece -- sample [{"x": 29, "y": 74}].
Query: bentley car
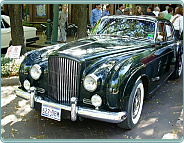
[
  {"x": 6, "y": 41},
  {"x": 105, "y": 76}
]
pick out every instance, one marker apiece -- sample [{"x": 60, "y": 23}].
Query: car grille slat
[{"x": 63, "y": 79}]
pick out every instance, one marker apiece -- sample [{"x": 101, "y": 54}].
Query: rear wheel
[
  {"x": 134, "y": 107},
  {"x": 179, "y": 68}
]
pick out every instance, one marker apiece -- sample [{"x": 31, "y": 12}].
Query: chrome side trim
[{"x": 106, "y": 116}]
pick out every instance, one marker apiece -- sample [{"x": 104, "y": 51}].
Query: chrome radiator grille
[{"x": 63, "y": 79}]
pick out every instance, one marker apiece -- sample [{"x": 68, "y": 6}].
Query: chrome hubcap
[
  {"x": 180, "y": 65},
  {"x": 136, "y": 104}
]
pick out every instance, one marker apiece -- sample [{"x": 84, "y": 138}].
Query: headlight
[
  {"x": 96, "y": 100},
  {"x": 90, "y": 82},
  {"x": 35, "y": 72},
  {"x": 27, "y": 85}
]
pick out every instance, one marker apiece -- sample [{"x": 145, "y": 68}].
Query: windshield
[{"x": 133, "y": 28}]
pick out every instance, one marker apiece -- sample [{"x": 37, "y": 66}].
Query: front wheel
[{"x": 134, "y": 107}]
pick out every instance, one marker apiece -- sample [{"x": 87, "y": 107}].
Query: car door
[
  {"x": 172, "y": 45},
  {"x": 5, "y": 34},
  {"x": 164, "y": 55},
  {"x": 165, "y": 51}
]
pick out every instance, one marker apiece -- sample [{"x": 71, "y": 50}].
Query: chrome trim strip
[{"x": 111, "y": 117}]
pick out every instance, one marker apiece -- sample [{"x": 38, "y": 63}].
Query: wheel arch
[{"x": 136, "y": 76}]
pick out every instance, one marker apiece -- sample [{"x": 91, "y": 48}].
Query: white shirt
[
  {"x": 156, "y": 13},
  {"x": 165, "y": 12},
  {"x": 178, "y": 23}
]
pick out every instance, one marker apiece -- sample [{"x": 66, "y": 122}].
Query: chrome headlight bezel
[
  {"x": 35, "y": 72},
  {"x": 92, "y": 86}
]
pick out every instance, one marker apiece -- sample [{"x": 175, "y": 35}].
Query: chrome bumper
[{"x": 111, "y": 117}]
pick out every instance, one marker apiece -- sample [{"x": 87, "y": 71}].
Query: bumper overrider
[{"x": 111, "y": 117}]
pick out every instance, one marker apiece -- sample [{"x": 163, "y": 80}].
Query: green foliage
[
  {"x": 4, "y": 61},
  {"x": 27, "y": 24},
  {"x": 9, "y": 67}
]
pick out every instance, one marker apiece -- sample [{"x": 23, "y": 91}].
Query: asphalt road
[{"x": 162, "y": 118}]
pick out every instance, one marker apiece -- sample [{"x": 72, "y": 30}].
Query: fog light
[
  {"x": 96, "y": 100},
  {"x": 27, "y": 84}
]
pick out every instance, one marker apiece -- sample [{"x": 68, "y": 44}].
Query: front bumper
[{"x": 111, "y": 117}]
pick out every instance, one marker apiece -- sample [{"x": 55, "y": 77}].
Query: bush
[{"x": 10, "y": 67}]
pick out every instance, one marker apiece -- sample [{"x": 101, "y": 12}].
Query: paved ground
[{"x": 161, "y": 118}]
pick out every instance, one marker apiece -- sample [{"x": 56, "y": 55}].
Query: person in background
[
  {"x": 95, "y": 15},
  {"x": 177, "y": 21},
  {"x": 170, "y": 14},
  {"x": 119, "y": 11},
  {"x": 123, "y": 8},
  {"x": 149, "y": 11},
  {"x": 106, "y": 11},
  {"x": 156, "y": 11},
  {"x": 165, "y": 11},
  {"x": 138, "y": 10},
  {"x": 63, "y": 23},
  {"x": 127, "y": 11},
  {"x": 60, "y": 7},
  {"x": 2, "y": 11},
  {"x": 59, "y": 30}
]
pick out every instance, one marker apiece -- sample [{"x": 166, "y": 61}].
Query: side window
[
  {"x": 170, "y": 33},
  {"x": 6, "y": 25},
  {"x": 160, "y": 33},
  {"x": 2, "y": 25}
]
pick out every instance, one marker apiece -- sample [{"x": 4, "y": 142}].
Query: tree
[
  {"x": 80, "y": 19},
  {"x": 17, "y": 33}
]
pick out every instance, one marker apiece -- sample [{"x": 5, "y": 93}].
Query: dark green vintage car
[{"x": 105, "y": 76}]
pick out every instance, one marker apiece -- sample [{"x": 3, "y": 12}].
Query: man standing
[
  {"x": 63, "y": 23},
  {"x": 156, "y": 11},
  {"x": 120, "y": 10},
  {"x": 127, "y": 11},
  {"x": 95, "y": 15},
  {"x": 60, "y": 7},
  {"x": 177, "y": 21},
  {"x": 106, "y": 11},
  {"x": 2, "y": 11},
  {"x": 165, "y": 11},
  {"x": 149, "y": 11},
  {"x": 59, "y": 30},
  {"x": 170, "y": 14}
]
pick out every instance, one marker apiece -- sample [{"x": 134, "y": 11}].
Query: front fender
[{"x": 117, "y": 82}]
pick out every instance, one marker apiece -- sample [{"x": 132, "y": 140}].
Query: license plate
[{"x": 51, "y": 112}]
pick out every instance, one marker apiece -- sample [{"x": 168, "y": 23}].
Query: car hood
[{"x": 94, "y": 47}]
